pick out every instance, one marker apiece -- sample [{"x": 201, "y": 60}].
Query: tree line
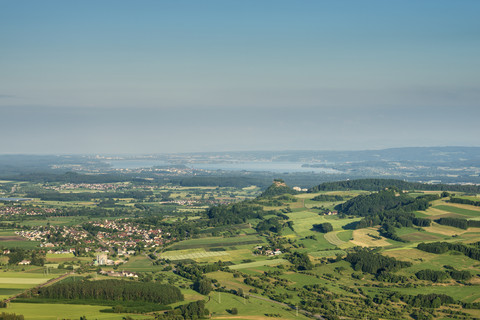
[
  {"x": 465, "y": 201},
  {"x": 458, "y": 223},
  {"x": 442, "y": 247},
  {"x": 328, "y": 197}
]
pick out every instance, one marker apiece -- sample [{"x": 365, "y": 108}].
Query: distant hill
[{"x": 278, "y": 187}]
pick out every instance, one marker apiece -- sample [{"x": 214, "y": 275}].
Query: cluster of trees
[
  {"x": 113, "y": 290},
  {"x": 458, "y": 223},
  {"x": 442, "y": 247},
  {"x": 374, "y": 263},
  {"x": 11, "y": 316},
  {"x": 203, "y": 286},
  {"x": 328, "y": 197},
  {"x": 465, "y": 201},
  {"x": 234, "y": 213},
  {"x": 391, "y": 277},
  {"x": 381, "y": 184},
  {"x": 195, "y": 271},
  {"x": 272, "y": 224},
  {"x": 323, "y": 227},
  {"x": 192, "y": 310},
  {"x": 35, "y": 257},
  {"x": 432, "y": 275},
  {"x": 432, "y": 300},
  {"x": 300, "y": 260}
]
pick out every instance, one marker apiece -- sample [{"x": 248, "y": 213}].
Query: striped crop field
[{"x": 192, "y": 254}]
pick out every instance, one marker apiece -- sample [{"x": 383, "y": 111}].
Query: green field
[
  {"x": 260, "y": 263},
  {"x": 36, "y": 311},
  {"x": 461, "y": 211},
  {"x": 212, "y": 242},
  {"x": 252, "y": 308},
  {"x": 200, "y": 255},
  {"x": 12, "y": 282},
  {"x": 24, "y": 244}
]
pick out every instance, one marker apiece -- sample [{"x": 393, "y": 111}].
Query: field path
[
  {"x": 333, "y": 238},
  {"x": 49, "y": 282}
]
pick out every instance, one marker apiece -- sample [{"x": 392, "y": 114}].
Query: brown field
[
  {"x": 11, "y": 238},
  {"x": 419, "y": 236},
  {"x": 361, "y": 238}
]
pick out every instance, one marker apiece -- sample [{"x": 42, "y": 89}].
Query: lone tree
[{"x": 203, "y": 286}]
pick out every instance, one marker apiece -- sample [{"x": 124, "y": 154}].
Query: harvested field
[
  {"x": 333, "y": 238},
  {"x": 361, "y": 238},
  {"x": 420, "y": 236}
]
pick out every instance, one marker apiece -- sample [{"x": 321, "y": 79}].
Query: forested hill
[
  {"x": 381, "y": 184},
  {"x": 277, "y": 188}
]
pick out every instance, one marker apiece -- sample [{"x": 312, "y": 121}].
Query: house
[{"x": 24, "y": 262}]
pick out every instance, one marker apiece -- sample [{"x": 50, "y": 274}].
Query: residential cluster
[
  {"x": 125, "y": 235},
  {"x": 56, "y": 236},
  {"x": 88, "y": 186},
  {"x": 17, "y": 210}
]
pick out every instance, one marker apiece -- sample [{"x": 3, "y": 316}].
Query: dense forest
[
  {"x": 381, "y": 184},
  {"x": 116, "y": 290},
  {"x": 389, "y": 208}
]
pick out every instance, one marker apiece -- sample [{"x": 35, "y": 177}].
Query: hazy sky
[{"x": 178, "y": 76}]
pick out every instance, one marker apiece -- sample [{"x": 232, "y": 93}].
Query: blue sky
[{"x": 179, "y": 76}]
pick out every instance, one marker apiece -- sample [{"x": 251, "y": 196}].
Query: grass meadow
[{"x": 45, "y": 311}]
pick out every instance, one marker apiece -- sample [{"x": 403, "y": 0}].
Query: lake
[{"x": 271, "y": 166}]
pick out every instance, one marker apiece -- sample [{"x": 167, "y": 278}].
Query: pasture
[
  {"x": 248, "y": 309},
  {"x": 260, "y": 263},
  {"x": 45, "y": 311},
  {"x": 212, "y": 242},
  {"x": 200, "y": 255},
  {"x": 12, "y": 282}
]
